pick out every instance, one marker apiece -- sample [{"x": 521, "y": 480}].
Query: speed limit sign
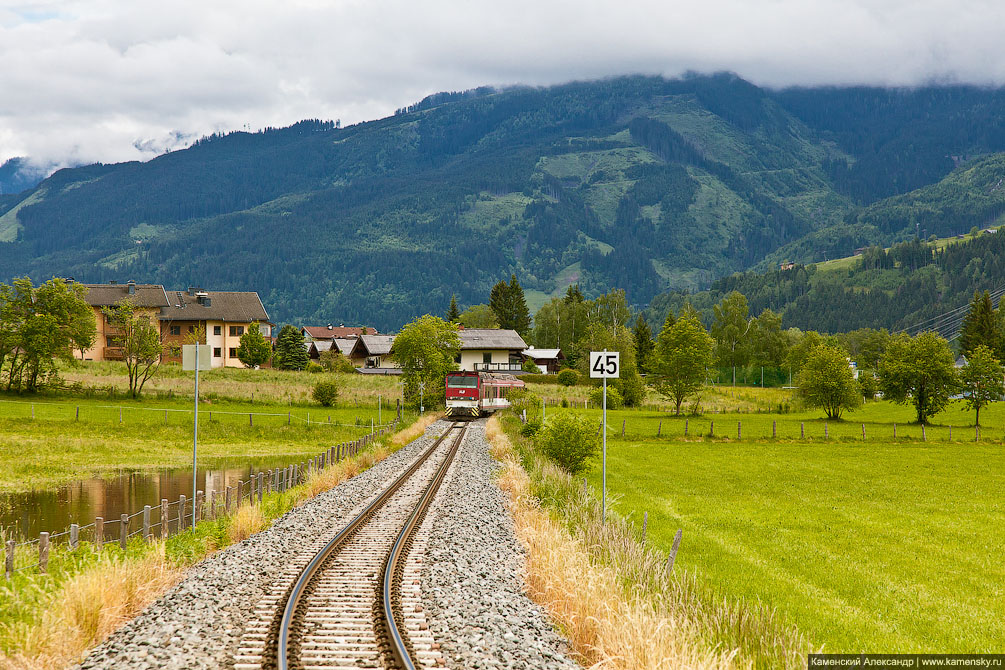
[{"x": 605, "y": 364}]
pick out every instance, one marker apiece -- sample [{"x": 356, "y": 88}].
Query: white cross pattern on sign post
[{"x": 605, "y": 365}]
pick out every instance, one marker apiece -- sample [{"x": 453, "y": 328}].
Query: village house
[
  {"x": 372, "y": 353},
  {"x": 491, "y": 350},
  {"x": 148, "y": 300},
  {"x": 330, "y": 332},
  {"x": 344, "y": 346},
  {"x": 224, "y": 316},
  {"x": 548, "y": 361}
]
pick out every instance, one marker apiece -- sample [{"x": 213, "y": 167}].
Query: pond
[{"x": 24, "y": 515}]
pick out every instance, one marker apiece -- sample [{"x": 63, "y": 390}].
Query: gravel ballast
[
  {"x": 472, "y": 582},
  {"x": 472, "y": 579}
]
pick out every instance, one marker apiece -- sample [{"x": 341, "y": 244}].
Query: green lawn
[
  {"x": 56, "y": 447},
  {"x": 868, "y": 545}
]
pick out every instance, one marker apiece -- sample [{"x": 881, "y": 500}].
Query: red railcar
[{"x": 474, "y": 394}]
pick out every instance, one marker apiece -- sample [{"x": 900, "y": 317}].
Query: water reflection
[{"x": 25, "y": 515}]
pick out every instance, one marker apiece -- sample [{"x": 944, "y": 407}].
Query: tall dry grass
[
  {"x": 87, "y": 608},
  {"x": 406, "y": 435},
  {"x": 611, "y": 595},
  {"x": 245, "y": 522}
]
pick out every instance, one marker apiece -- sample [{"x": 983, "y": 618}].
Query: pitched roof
[
  {"x": 240, "y": 306},
  {"x": 145, "y": 295},
  {"x": 377, "y": 345},
  {"x": 345, "y": 345},
  {"x": 543, "y": 353},
  {"x": 335, "y": 332},
  {"x": 491, "y": 338}
]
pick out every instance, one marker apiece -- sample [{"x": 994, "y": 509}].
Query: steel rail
[
  {"x": 400, "y": 649},
  {"x": 278, "y": 648}
]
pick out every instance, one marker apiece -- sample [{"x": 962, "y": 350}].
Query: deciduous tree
[
  {"x": 426, "y": 350},
  {"x": 139, "y": 335},
  {"x": 919, "y": 370},
  {"x": 827, "y": 381},
  {"x": 680, "y": 362},
  {"x": 982, "y": 380},
  {"x": 477, "y": 316},
  {"x": 731, "y": 329}
]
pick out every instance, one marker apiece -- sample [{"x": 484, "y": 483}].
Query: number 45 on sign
[{"x": 605, "y": 364}]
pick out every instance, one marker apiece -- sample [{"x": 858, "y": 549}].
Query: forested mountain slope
[
  {"x": 640, "y": 183},
  {"x": 912, "y": 286}
]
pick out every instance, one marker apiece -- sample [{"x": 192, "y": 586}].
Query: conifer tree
[
  {"x": 509, "y": 305},
  {"x": 453, "y": 314},
  {"x": 644, "y": 344},
  {"x": 290, "y": 353},
  {"x": 980, "y": 326}
]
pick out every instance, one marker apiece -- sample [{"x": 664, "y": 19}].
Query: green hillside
[{"x": 641, "y": 183}]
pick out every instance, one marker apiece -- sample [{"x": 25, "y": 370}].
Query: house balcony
[
  {"x": 114, "y": 353},
  {"x": 498, "y": 367}
]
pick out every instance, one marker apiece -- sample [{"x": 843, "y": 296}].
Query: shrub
[
  {"x": 568, "y": 377},
  {"x": 314, "y": 367},
  {"x": 565, "y": 402},
  {"x": 530, "y": 429},
  {"x": 334, "y": 360},
  {"x": 530, "y": 366},
  {"x": 325, "y": 392},
  {"x": 614, "y": 399},
  {"x": 569, "y": 440}
]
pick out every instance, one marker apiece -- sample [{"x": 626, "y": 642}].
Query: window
[
  {"x": 217, "y": 352},
  {"x": 265, "y": 329},
  {"x": 462, "y": 381},
  {"x": 233, "y": 352},
  {"x": 487, "y": 357},
  {"x": 109, "y": 341},
  {"x": 217, "y": 330},
  {"x": 176, "y": 330},
  {"x": 236, "y": 330}
]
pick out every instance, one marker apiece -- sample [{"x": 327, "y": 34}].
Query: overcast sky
[{"x": 114, "y": 80}]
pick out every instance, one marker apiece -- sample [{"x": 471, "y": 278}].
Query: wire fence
[{"x": 170, "y": 517}]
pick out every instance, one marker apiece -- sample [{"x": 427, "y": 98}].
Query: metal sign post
[
  {"x": 604, "y": 365},
  {"x": 422, "y": 407},
  {"x": 191, "y": 358}
]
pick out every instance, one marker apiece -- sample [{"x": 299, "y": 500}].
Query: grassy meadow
[
  {"x": 875, "y": 544},
  {"x": 95, "y": 429}
]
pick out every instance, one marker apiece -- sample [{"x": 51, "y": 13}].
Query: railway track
[{"x": 353, "y": 601}]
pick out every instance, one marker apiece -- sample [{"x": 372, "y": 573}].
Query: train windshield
[{"x": 459, "y": 382}]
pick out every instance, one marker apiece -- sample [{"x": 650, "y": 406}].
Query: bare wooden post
[
  {"x": 802, "y": 430},
  {"x": 645, "y": 525},
  {"x": 226, "y": 502},
  {"x": 261, "y": 486},
  {"x": 146, "y": 522},
  {"x": 895, "y": 431},
  {"x": 74, "y": 535},
  {"x": 774, "y": 428},
  {"x": 739, "y": 430},
  {"x": 99, "y": 532},
  {"x": 181, "y": 513},
  {"x": 123, "y": 530},
  {"x": 950, "y": 433},
  {"x": 164, "y": 518},
  {"x": 659, "y": 428},
  {"x": 240, "y": 493},
  {"x": 9, "y": 559},
  {"x": 43, "y": 552},
  {"x": 251, "y": 420},
  {"x": 923, "y": 438},
  {"x": 197, "y": 510},
  {"x": 673, "y": 551},
  {"x": 165, "y": 416},
  {"x": 288, "y": 417},
  {"x": 120, "y": 415},
  {"x": 685, "y": 427},
  {"x": 622, "y": 427},
  {"x": 977, "y": 433},
  {"x": 825, "y": 430},
  {"x": 711, "y": 428},
  {"x": 78, "y": 413}
]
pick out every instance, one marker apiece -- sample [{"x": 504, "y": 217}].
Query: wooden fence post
[
  {"x": 645, "y": 525},
  {"x": 739, "y": 430},
  {"x": 863, "y": 431},
  {"x": 659, "y": 429},
  {"x": 78, "y": 413},
  {"x": 825, "y": 430},
  {"x": 146, "y": 522},
  {"x": 711, "y": 428},
  {"x": 622, "y": 427},
  {"x": 120, "y": 415},
  {"x": 240, "y": 492},
  {"x": 74, "y": 535},
  {"x": 181, "y": 513},
  {"x": 895, "y": 431},
  {"x": 673, "y": 551},
  {"x": 774, "y": 428},
  {"x": 261, "y": 486},
  {"x": 123, "y": 530},
  {"x": 685, "y": 427},
  {"x": 923, "y": 438},
  {"x": 164, "y": 518},
  {"x": 43, "y": 552},
  {"x": 950, "y": 433},
  {"x": 99, "y": 532},
  {"x": 977, "y": 433},
  {"x": 9, "y": 559},
  {"x": 802, "y": 430},
  {"x": 197, "y": 509},
  {"x": 226, "y": 502},
  {"x": 251, "y": 421},
  {"x": 165, "y": 416}
]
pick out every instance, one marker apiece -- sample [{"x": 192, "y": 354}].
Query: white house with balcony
[{"x": 491, "y": 350}]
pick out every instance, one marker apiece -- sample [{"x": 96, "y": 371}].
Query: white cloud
[{"x": 106, "y": 80}]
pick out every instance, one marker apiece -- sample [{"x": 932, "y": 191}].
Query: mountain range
[{"x": 642, "y": 183}]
